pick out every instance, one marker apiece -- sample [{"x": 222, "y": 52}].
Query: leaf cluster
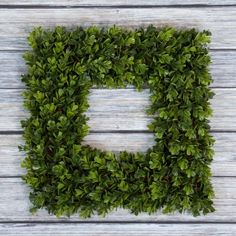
[{"x": 66, "y": 176}]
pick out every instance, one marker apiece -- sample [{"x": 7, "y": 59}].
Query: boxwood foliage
[{"x": 66, "y": 176}]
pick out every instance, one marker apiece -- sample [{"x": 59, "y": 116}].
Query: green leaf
[
  {"x": 183, "y": 164},
  {"x": 60, "y": 92},
  {"x": 100, "y": 160},
  {"x": 130, "y": 41},
  {"x": 76, "y": 149},
  {"x": 163, "y": 114},
  {"x": 190, "y": 133},
  {"x": 201, "y": 131},
  {"x": 188, "y": 189},
  {"x": 79, "y": 192},
  {"x": 80, "y": 69},
  {"x": 174, "y": 149},
  {"x": 166, "y": 34},
  {"x": 39, "y": 96},
  {"x": 60, "y": 186},
  {"x": 190, "y": 150},
  {"x": 123, "y": 186},
  {"x": 93, "y": 175}
]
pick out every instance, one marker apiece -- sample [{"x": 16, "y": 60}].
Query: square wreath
[{"x": 67, "y": 177}]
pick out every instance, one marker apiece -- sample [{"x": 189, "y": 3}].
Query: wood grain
[
  {"x": 224, "y": 163},
  {"x": 223, "y": 68},
  {"x": 15, "y": 24},
  {"x": 14, "y": 206},
  {"x": 116, "y": 229},
  {"x": 71, "y": 3},
  {"x": 119, "y": 109},
  {"x": 116, "y": 111}
]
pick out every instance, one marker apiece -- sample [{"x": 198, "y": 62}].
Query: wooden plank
[
  {"x": 223, "y": 68},
  {"x": 11, "y": 67},
  {"x": 14, "y": 206},
  {"x": 224, "y": 163},
  {"x": 119, "y": 109},
  {"x": 71, "y": 3},
  {"x": 116, "y": 229},
  {"x": 15, "y": 24}
]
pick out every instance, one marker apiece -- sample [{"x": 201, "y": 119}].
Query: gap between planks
[
  {"x": 112, "y": 6},
  {"x": 141, "y": 3}
]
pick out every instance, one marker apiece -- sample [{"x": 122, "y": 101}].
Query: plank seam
[
  {"x": 94, "y": 88},
  {"x": 213, "y": 87},
  {"x": 116, "y": 222},
  {"x": 24, "y": 50},
  {"x": 11, "y": 177},
  {"x": 15, "y": 132},
  {"x": 63, "y": 6},
  {"x": 20, "y": 176}
]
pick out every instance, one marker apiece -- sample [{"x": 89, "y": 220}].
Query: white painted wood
[
  {"x": 115, "y": 3},
  {"x": 14, "y": 206},
  {"x": 15, "y": 24},
  {"x": 117, "y": 229},
  {"x": 12, "y": 65},
  {"x": 223, "y": 69},
  {"x": 119, "y": 109},
  {"x": 224, "y": 163}
]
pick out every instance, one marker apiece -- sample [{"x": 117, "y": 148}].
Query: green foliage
[{"x": 67, "y": 177}]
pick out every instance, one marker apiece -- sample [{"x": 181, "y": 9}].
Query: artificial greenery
[{"x": 67, "y": 177}]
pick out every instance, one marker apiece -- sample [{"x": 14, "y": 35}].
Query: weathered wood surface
[
  {"x": 119, "y": 109},
  {"x": 116, "y": 3},
  {"x": 14, "y": 206},
  {"x": 223, "y": 68},
  {"x": 15, "y": 24},
  {"x": 111, "y": 229},
  {"x": 224, "y": 163},
  {"x": 113, "y": 111}
]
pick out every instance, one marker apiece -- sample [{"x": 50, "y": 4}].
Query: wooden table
[{"x": 117, "y": 117}]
